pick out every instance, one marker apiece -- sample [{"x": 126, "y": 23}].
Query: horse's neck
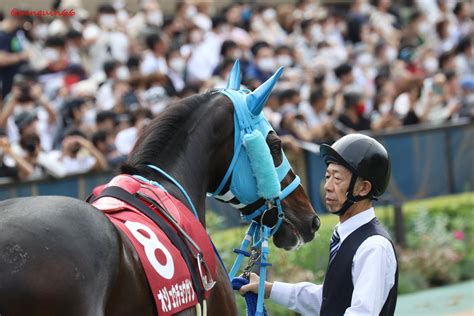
[{"x": 190, "y": 170}]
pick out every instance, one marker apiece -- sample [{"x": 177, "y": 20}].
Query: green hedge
[{"x": 439, "y": 234}]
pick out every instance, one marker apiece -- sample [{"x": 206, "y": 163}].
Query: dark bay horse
[{"x": 61, "y": 256}]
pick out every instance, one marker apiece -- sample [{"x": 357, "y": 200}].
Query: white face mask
[
  {"x": 423, "y": 28},
  {"x": 430, "y": 65},
  {"x": 41, "y": 31},
  {"x": 284, "y": 61},
  {"x": 123, "y": 73},
  {"x": 108, "y": 21},
  {"x": 390, "y": 53},
  {"x": 316, "y": 32},
  {"x": 177, "y": 64},
  {"x": 365, "y": 8},
  {"x": 385, "y": 107},
  {"x": 155, "y": 18},
  {"x": 365, "y": 60},
  {"x": 51, "y": 54},
  {"x": 191, "y": 11},
  {"x": 266, "y": 64},
  {"x": 269, "y": 15}
]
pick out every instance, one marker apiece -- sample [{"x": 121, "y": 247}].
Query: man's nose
[{"x": 327, "y": 185}]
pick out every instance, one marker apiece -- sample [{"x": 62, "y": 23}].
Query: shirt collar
[{"x": 356, "y": 221}]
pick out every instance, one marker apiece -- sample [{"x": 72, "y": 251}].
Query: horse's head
[{"x": 259, "y": 180}]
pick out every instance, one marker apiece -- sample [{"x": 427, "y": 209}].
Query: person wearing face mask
[
  {"x": 430, "y": 64},
  {"x": 78, "y": 154},
  {"x": 104, "y": 142},
  {"x": 75, "y": 49},
  {"x": 154, "y": 58},
  {"x": 149, "y": 16},
  {"x": 55, "y": 54},
  {"x": 72, "y": 112},
  {"x": 283, "y": 56},
  {"x": 105, "y": 97},
  {"x": 230, "y": 50},
  {"x": 265, "y": 25},
  {"x": 42, "y": 163},
  {"x": 353, "y": 115},
  {"x": 319, "y": 122},
  {"x": 264, "y": 63},
  {"x": 111, "y": 42},
  {"x": 12, "y": 166},
  {"x": 384, "y": 54},
  {"x": 12, "y": 53},
  {"x": 362, "y": 273},
  {"x": 382, "y": 116},
  {"x": 465, "y": 56},
  {"x": 176, "y": 68}
]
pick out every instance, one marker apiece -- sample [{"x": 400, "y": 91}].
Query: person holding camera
[
  {"x": 12, "y": 165},
  {"x": 79, "y": 155},
  {"x": 43, "y": 163},
  {"x": 27, "y": 96}
]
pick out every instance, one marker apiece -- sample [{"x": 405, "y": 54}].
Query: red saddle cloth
[{"x": 166, "y": 270}]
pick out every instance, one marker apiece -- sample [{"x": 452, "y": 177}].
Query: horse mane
[{"x": 162, "y": 128}]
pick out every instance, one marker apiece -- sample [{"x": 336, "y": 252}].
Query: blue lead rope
[
  {"x": 254, "y": 302},
  {"x": 250, "y": 298},
  {"x": 242, "y": 252}
]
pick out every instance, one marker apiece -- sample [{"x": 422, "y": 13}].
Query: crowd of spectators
[{"x": 76, "y": 91}]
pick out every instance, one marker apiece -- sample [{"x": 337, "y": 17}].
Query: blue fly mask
[{"x": 252, "y": 173}]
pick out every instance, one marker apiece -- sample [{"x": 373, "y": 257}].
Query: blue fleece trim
[{"x": 261, "y": 161}]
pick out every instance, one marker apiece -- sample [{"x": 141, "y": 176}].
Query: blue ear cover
[
  {"x": 233, "y": 81},
  {"x": 261, "y": 162}
]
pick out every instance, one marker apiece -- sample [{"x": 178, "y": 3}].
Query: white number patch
[{"x": 151, "y": 244}]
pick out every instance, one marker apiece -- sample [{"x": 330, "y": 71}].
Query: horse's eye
[{"x": 275, "y": 146}]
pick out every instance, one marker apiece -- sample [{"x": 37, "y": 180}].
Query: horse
[{"x": 62, "y": 256}]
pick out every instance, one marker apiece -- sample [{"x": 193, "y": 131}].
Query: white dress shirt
[{"x": 373, "y": 275}]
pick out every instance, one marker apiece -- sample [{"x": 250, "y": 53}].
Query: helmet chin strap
[{"x": 351, "y": 199}]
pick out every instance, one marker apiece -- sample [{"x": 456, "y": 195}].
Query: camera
[
  {"x": 75, "y": 147},
  {"x": 25, "y": 95},
  {"x": 25, "y": 90}
]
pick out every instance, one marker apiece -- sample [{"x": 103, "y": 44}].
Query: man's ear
[{"x": 363, "y": 187}]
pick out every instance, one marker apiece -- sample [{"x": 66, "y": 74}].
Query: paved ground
[{"x": 453, "y": 300}]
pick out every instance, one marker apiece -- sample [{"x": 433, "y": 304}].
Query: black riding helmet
[{"x": 364, "y": 157}]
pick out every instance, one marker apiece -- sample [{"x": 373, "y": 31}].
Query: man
[
  {"x": 353, "y": 117},
  {"x": 362, "y": 274}
]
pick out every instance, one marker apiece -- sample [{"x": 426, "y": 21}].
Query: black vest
[{"x": 338, "y": 287}]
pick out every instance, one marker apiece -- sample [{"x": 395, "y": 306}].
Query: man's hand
[
  {"x": 5, "y": 145},
  {"x": 253, "y": 286},
  {"x": 15, "y": 93}
]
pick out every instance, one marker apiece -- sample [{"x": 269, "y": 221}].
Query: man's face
[{"x": 338, "y": 179}]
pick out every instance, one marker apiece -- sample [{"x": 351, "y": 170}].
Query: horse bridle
[{"x": 244, "y": 124}]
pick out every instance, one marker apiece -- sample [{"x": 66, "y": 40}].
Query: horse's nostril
[{"x": 315, "y": 224}]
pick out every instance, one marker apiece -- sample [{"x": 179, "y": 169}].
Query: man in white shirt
[
  {"x": 154, "y": 58},
  {"x": 362, "y": 274}
]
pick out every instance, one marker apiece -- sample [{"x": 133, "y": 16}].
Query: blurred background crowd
[{"x": 76, "y": 91}]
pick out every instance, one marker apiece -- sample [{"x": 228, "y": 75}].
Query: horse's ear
[
  {"x": 257, "y": 99},
  {"x": 233, "y": 82}
]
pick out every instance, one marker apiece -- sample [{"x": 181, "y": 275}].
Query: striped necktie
[{"x": 334, "y": 245}]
